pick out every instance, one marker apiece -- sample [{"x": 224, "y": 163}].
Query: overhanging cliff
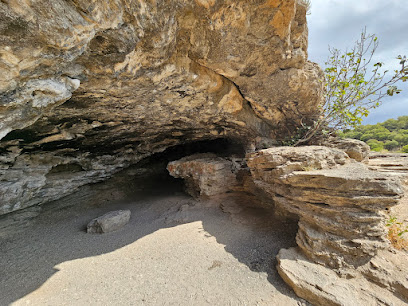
[{"x": 89, "y": 88}]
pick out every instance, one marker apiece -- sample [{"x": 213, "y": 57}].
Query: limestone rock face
[
  {"x": 89, "y": 88},
  {"x": 342, "y": 256},
  {"x": 393, "y": 163},
  {"x": 341, "y": 204},
  {"x": 322, "y": 286}
]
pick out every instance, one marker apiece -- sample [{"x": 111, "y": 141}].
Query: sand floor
[{"x": 174, "y": 251}]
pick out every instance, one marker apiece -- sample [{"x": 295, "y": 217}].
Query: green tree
[
  {"x": 392, "y": 137},
  {"x": 367, "y": 136},
  {"x": 375, "y": 145},
  {"x": 403, "y": 131},
  {"x": 391, "y": 144},
  {"x": 381, "y": 133},
  {"x": 403, "y": 122},
  {"x": 355, "y": 134},
  {"x": 405, "y": 149},
  {"x": 402, "y": 138},
  {"x": 391, "y": 124},
  {"x": 353, "y": 86}
]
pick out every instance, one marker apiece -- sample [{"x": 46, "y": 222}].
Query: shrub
[
  {"x": 375, "y": 145},
  {"x": 396, "y": 230},
  {"x": 391, "y": 144},
  {"x": 405, "y": 149}
]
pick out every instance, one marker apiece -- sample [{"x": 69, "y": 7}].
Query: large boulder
[
  {"x": 354, "y": 148},
  {"x": 205, "y": 174}
]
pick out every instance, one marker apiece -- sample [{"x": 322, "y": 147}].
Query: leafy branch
[{"x": 354, "y": 86}]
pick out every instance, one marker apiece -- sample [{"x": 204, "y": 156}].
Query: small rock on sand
[{"x": 109, "y": 222}]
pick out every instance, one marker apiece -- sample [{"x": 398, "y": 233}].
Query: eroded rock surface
[
  {"x": 342, "y": 256},
  {"x": 209, "y": 175},
  {"x": 355, "y": 149},
  {"x": 393, "y": 163},
  {"x": 323, "y": 286},
  {"x": 88, "y": 88},
  {"x": 341, "y": 204}
]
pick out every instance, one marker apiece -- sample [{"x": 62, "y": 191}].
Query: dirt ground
[{"x": 174, "y": 251}]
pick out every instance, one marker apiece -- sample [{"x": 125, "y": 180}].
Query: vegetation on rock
[{"x": 396, "y": 231}]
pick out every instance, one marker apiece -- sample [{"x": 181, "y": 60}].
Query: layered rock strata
[
  {"x": 90, "y": 88},
  {"x": 392, "y": 163},
  {"x": 395, "y": 164},
  {"x": 343, "y": 257},
  {"x": 341, "y": 204},
  {"x": 382, "y": 281}
]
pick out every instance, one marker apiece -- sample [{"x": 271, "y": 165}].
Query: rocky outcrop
[
  {"x": 343, "y": 256},
  {"x": 355, "y": 149},
  {"x": 341, "y": 206},
  {"x": 392, "y": 163},
  {"x": 395, "y": 164},
  {"x": 323, "y": 286},
  {"x": 88, "y": 89}
]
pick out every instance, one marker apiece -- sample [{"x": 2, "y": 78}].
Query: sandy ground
[{"x": 174, "y": 251}]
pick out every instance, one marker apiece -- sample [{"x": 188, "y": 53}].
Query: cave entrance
[
  {"x": 152, "y": 173},
  {"x": 174, "y": 242},
  {"x": 149, "y": 177}
]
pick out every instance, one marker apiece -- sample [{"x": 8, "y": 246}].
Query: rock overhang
[{"x": 104, "y": 86}]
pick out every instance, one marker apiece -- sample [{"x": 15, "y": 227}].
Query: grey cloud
[
  {"x": 339, "y": 24},
  {"x": 391, "y": 108}
]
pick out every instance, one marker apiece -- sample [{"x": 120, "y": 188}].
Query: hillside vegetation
[{"x": 391, "y": 135}]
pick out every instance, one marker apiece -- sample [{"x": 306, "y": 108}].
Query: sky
[{"x": 338, "y": 24}]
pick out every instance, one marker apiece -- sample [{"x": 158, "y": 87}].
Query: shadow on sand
[{"x": 251, "y": 234}]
